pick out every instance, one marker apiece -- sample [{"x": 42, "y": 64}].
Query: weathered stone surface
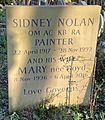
[{"x": 48, "y": 43}]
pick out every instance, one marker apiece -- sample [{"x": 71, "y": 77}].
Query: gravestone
[{"x": 51, "y": 52}]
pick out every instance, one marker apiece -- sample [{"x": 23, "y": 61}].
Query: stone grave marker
[{"x": 41, "y": 44}]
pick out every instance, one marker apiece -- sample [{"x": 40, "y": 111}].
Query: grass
[{"x": 62, "y": 112}]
